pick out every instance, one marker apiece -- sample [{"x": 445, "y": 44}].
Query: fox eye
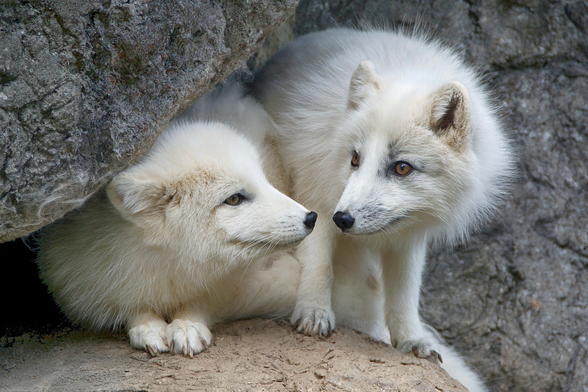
[
  {"x": 235, "y": 200},
  {"x": 402, "y": 168},
  {"x": 355, "y": 159}
]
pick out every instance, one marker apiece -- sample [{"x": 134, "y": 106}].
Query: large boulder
[
  {"x": 86, "y": 86},
  {"x": 515, "y": 299}
]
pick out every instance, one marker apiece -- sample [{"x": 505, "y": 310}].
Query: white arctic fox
[
  {"x": 394, "y": 138},
  {"x": 172, "y": 238}
]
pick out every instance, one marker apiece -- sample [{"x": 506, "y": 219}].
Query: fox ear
[
  {"x": 139, "y": 201},
  {"x": 450, "y": 115},
  {"x": 364, "y": 82}
]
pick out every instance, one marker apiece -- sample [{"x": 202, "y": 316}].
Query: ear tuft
[
  {"x": 364, "y": 82},
  {"x": 447, "y": 119},
  {"x": 450, "y": 114}
]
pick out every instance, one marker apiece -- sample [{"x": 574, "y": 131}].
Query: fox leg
[
  {"x": 402, "y": 269},
  {"x": 358, "y": 291},
  {"x": 312, "y": 313}
]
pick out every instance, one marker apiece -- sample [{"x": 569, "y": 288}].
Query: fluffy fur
[
  {"x": 173, "y": 237},
  {"x": 394, "y": 138}
]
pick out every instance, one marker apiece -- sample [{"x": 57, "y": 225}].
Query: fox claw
[
  {"x": 433, "y": 356},
  {"x": 153, "y": 351},
  {"x": 187, "y": 337},
  {"x": 314, "y": 322},
  {"x": 421, "y": 349}
]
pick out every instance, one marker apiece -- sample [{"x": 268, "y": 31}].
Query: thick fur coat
[
  {"x": 394, "y": 142},
  {"x": 167, "y": 250}
]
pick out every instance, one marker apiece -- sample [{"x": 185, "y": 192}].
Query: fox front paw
[
  {"x": 187, "y": 337},
  {"x": 421, "y": 349},
  {"x": 313, "y": 320},
  {"x": 150, "y": 337}
]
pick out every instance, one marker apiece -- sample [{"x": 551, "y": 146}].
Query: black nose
[
  {"x": 310, "y": 220},
  {"x": 343, "y": 219}
]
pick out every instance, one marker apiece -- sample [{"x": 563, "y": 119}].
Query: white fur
[
  {"x": 229, "y": 105},
  {"x": 391, "y": 98},
  {"x": 161, "y": 245}
]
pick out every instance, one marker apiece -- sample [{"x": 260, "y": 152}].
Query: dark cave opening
[{"x": 26, "y": 303}]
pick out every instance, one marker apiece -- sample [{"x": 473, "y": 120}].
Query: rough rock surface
[
  {"x": 515, "y": 299},
  {"x": 87, "y": 85},
  {"x": 253, "y": 355}
]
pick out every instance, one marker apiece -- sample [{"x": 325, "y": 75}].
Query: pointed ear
[
  {"x": 139, "y": 201},
  {"x": 364, "y": 82},
  {"x": 450, "y": 115}
]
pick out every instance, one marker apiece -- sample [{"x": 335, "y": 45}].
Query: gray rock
[
  {"x": 86, "y": 86},
  {"x": 514, "y": 300}
]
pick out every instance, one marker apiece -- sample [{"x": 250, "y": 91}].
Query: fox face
[
  {"x": 201, "y": 191},
  {"x": 408, "y": 151},
  {"x": 257, "y": 216}
]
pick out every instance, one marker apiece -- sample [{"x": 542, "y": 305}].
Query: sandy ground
[{"x": 250, "y": 355}]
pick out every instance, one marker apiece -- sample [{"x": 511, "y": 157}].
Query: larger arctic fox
[
  {"x": 172, "y": 238},
  {"x": 393, "y": 138}
]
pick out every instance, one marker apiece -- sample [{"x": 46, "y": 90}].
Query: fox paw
[
  {"x": 187, "y": 337},
  {"x": 313, "y": 321},
  {"x": 150, "y": 337},
  {"x": 421, "y": 349}
]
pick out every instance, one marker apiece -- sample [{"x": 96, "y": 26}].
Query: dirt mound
[{"x": 251, "y": 355}]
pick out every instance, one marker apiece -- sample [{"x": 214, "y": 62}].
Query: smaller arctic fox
[
  {"x": 395, "y": 138},
  {"x": 173, "y": 237}
]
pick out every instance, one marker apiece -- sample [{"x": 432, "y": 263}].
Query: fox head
[
  {"x": 200, "y": 191},
  {"x": 416, "y": 156}
]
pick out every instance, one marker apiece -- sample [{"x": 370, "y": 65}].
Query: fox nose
[
  {"x": 310, "y": 220},
  {"x": 343, "y": 220}
]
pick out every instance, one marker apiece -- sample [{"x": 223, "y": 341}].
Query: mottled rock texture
[
  {"x": 86, "y": 86},
  {"x": 515, "y": 299}
]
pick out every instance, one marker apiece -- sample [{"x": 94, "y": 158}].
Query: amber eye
[
  {"x": 355, "y": 159},
  {"x": 402, "y": 168},
  {"x": 235, "y": 200}
]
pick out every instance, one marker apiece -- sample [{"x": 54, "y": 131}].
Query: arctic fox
[
  {"x": 173, "y": 237},
  {"x": 393, "y": 137}
]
